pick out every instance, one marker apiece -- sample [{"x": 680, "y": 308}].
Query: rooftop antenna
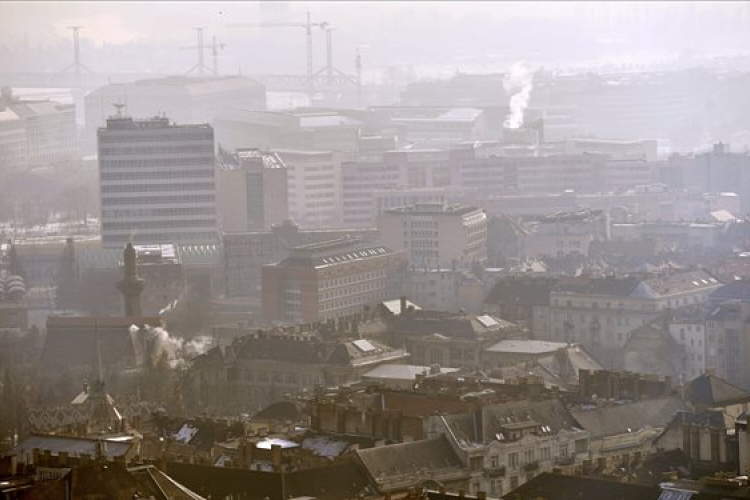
[
  {"x": 77, "y": 65},
  {"x": 119, "y": 107}
]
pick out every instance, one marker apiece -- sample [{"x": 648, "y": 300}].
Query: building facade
[
  {"x": 329, "y": 280},
  {"x": 157, "y": 182},
  {"x": 314, "y": 187},
  {"x": 245, "y": 253},
  {"x": 437, "y": 235},
  {"x": 253, "y": 191}
]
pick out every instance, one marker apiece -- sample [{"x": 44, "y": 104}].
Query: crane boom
[{"x": 308, "y": 26}]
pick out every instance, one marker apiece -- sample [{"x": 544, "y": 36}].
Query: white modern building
[{"x": 157, "y": 182}]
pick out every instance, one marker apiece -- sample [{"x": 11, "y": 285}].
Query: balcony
[
  {"x": 531, "y": 466},
  {"x": 569, "y": 460},
  {"x": 495, "y": 472}
]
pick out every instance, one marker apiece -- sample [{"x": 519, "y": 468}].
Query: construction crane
[
  {"x": 329, "y": 69},
  {"x": 200, "y": 47},
  {"x": 308, "y": 26},
  {"x": 76, "y": 65}
]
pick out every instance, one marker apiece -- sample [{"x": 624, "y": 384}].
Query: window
[
  {"x": 476, "y": 463},
  {"x": 545, "y": 453},
  {"x": 513, "y": 460},
  {"x": 581, "y": 446},
  {"x": 513, "y": 482},
  {"x": 493, "y": 461},
  {"x": 563, "y": 450},
  {"x": 528, "y": 456}
]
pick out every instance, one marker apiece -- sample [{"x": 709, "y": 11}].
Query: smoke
[
  {"x": 177, "y": 350},
  {"x": 518, "y": 82}
]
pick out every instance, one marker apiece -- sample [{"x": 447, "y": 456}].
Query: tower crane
[
  {"x": 308, "y": 26},
  {"x": 200, "y": 47}
]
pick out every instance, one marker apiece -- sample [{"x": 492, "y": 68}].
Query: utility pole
[
  {"x": 329, "y": 55},
  {"x": 215, "y": 48},
  {"x": 308, "y": 33}
]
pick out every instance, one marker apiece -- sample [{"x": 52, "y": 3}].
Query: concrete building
[
  {"x": 12, "y": 140},
  {"x": 601, "y": 313},
  {"x": 437, "y": 235},
  {"x": 157, "y": 182},
  {"x": 505, "y": 445},
  {"x": 566, "y": 233},
  {"x": 299, "y": 129},
  {"x": 314, "y": 181},
  {"x": 49, "y": 130},
  {"x": 331, "y": 279},
  {"x": 246, "y": 253},
  {"x": 260, "y": 368},
  {"x": 253, "y": 191},
  {"x": 436, "y": 127},
  {"x": 183, "y": 99},
  {"x": 359, "y": 180}
]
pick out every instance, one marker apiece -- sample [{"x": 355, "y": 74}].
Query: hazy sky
[{"x": 446, "y": 32}]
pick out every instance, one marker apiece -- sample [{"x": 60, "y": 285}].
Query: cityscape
[{"x": 317, "y": 250}]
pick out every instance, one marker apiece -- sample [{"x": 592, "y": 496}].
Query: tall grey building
[{"x": 157, "y": 182}]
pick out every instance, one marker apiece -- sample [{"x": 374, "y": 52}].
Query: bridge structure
[{"x": 325, "y": 83}]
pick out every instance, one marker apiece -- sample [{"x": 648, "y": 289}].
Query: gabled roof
[
  {"x": 475, "y": 428},
  {"x": 385, "y": 464},
  {"x": 710, "y": 391},
  {"x": 630, "y": 417}
]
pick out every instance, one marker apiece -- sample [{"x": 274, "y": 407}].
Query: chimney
[
  {"x": 461, "y": 494},
  {"x": 276, "y": 454},
  {"x": 36, "y": 454},
  {"x": 403, "y": 304},
  {"x": 481, "y": 495}
]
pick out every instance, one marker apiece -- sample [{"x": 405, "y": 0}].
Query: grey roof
[
  {"x": 74, "y": 446},
  {"x": 401, "y": 372},
  {"x": 624, "y": 418},
  {"x": 474, "y": 428},
  {"x": 711, "y": 391},
  {"x": 383, "y": 463},
  {"x": 526, "y": 347}
]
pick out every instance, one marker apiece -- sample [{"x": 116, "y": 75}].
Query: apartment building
[
  {"x": 601, "y": 313},
  {"x": 12, "y": 140},
  {"x": 260, "y": 368},
  {"x": 566, "y": 233},
  {"x": 506, "y": 445},
  {"x": 252, "y": 191},
  {"x": 245, "y": 253},
  {"x": 314, "y": 182},
  {"x": 437, "y": 235},
  {"x": 359, "y": 180},
  {"x": 331, "y": 279},
  {"x": 157, "y": 182}
]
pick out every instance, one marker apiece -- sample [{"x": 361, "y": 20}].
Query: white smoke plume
[
  {"x": 177, "y": 349},
  {"x": 518, "y": 82}
]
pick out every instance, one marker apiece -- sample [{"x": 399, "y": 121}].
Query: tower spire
[{"x": 131, "y": 285}]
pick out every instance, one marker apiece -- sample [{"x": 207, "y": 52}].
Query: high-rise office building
[{"x": 157, "y": 182}]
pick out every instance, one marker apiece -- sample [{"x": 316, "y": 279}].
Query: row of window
[
  {"x": 108, "y": 163},
  {"x": 178, "y": 174},
  {"x": 155, "y": 188},
  {"x": 157, "y": 212},
  {"x": 160, "y": 200},
  {"x": 159, "y": 224}
]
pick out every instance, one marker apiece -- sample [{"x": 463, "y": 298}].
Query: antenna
[{"x": 119, "y": 107}]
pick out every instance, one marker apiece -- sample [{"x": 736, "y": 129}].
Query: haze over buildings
[{"x": 362, "y": 250}]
